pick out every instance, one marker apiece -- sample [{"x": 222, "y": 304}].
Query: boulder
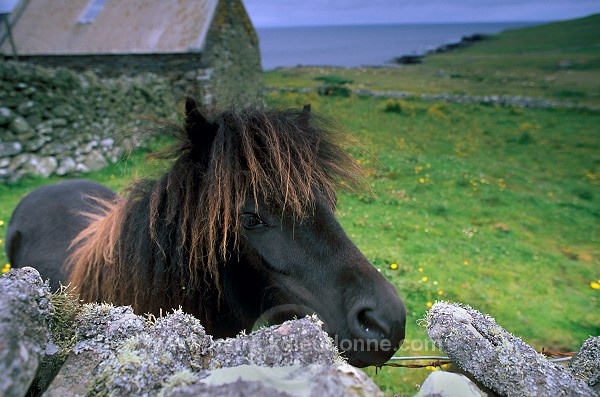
[
  {"x": 94, "y": 161},
  {"x": 19, "y": 126},
  {"x": 24, "y": 310},
  {"x": 6, "y": 115},
  {"x": 10, "y": 148},
  {"x": 586, "y": 363},
  {"x": 496, "y": 358},
  {"x": 41, "y": 166},
  {"x": 66, "y": 166}
]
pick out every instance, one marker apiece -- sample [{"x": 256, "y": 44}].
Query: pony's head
[{"x": 263, "y": 186}]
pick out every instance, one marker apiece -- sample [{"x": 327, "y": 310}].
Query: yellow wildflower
[
  {"x": 595, "y": 284},
  {"x": 420, "y": 270},
  {"x": 466, "y": 262},
  {"x": 394, "y": 266},
  {"x": 429, "y": 304},
  {"x": 440, "y": 292},
  {"x": 6, "y": 268},
  {"x": 424, "y": 279},
  {"x": 422, "y": 180},
  {"x": 1, "y": 222}
]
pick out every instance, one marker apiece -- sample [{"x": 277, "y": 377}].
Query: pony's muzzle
[{"x": 377, "y": 331}]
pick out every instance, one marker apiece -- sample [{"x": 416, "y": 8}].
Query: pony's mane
[{"x": 285, "y": 159}]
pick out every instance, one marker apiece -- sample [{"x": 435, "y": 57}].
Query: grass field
[
  {"x": 559, "y": 62},
  {"x": 495, "y": 207}
]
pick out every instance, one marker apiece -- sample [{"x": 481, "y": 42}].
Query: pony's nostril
[{"x": 370, "y": 325}]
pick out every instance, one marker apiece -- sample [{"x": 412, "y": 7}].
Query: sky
[{"x": 271, "y": 13}]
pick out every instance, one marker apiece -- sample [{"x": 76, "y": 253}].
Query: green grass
[{"x": 498, "y": 208}]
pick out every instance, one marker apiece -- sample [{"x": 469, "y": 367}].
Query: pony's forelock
[{"x": 287, "y": 160}]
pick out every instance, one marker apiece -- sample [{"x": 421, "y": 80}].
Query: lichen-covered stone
[
  {"x": 145, "y": 362},
  {"x": 100, "y": 327},
  {"x": 496, "y": 358},
  {"x": 293, "y": 342},
  {"x": 24, "y": 310},
  {"x": 586, "y": 363}
]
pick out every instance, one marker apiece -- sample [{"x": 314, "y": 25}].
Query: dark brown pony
[{"x": 241, "y": 227}]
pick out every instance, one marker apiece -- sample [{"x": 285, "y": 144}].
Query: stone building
[{"x": 207, "y": 48}]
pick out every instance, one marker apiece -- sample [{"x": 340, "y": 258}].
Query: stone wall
[
  {"x": 187, "y": 74},
  {"x": 54, "y": 121},
  {"x": 53, "y": 345}
]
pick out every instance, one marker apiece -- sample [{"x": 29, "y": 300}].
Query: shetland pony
[{"x": 240, "y": 228}]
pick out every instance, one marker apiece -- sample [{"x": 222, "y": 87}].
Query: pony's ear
[
  {"x": 304, "y": 117},
  {"x": 200, "y": 132}
]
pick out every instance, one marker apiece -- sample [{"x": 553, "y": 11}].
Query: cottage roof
[{"x": 78, "y": 27}]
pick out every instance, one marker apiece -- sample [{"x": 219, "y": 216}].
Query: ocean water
[{"x": 362, "y": 45}]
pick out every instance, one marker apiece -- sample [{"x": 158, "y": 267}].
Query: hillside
[
  {"x": 556, "y": 61},
  {"x": 575, "y": 36}
]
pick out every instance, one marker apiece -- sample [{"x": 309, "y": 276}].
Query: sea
[{"x": 363, "y": 45}]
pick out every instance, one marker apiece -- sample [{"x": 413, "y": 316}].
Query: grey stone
[
  {"x": 37, "y": 143},
  {"x": 100, "y": 328},
  {"x": 41, "y": 166},
  {"x": 175, "y": 343},
  {"x": 4, "y": 162},
  {"x": 107, "y": 143},
  {"x": 19, "y": 125},
  {"x": 65, "y": 111},
  {"x": 67, "y": 165},
  {"x": 447, "y": 384},
  {"x": 58, "y": 122},
  {"x": 586, "y": 363},
  {"x": 88, "y": 147},
  {"x": 496, "y": 358},
  {"x": 293, "y": 342},
  {"x": 10, "y": 148},
  {"x": 24, "y": 309},
  {"x": 25, "y": 108},
  {"x": 6, "y": 115},
  {"x": 94, "y": 161},
  {"x": 18, "y": 161},
  {"x": 53, "y": 148}
]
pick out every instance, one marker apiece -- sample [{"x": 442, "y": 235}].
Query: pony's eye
[{"x": 252, "y": 221}]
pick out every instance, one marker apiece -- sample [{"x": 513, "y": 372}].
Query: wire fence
[{"x": 439, "y": 361}]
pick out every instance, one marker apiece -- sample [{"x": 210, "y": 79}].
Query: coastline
[{"x": 362, "y": 45}]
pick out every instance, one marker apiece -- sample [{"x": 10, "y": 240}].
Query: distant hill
[{"x": 580, "y": 35}]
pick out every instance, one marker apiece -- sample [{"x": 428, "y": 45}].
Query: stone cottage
[{"x": 207, "y": 48}]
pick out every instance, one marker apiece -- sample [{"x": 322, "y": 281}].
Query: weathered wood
[{"x": 496, "y": 358}]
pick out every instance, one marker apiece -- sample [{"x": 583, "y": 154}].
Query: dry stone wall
[
  {"x": 54, "y": 121},
  {"x": 54, "y": 346}
]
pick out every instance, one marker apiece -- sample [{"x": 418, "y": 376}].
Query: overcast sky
[{"x": 342, "y": 12}]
